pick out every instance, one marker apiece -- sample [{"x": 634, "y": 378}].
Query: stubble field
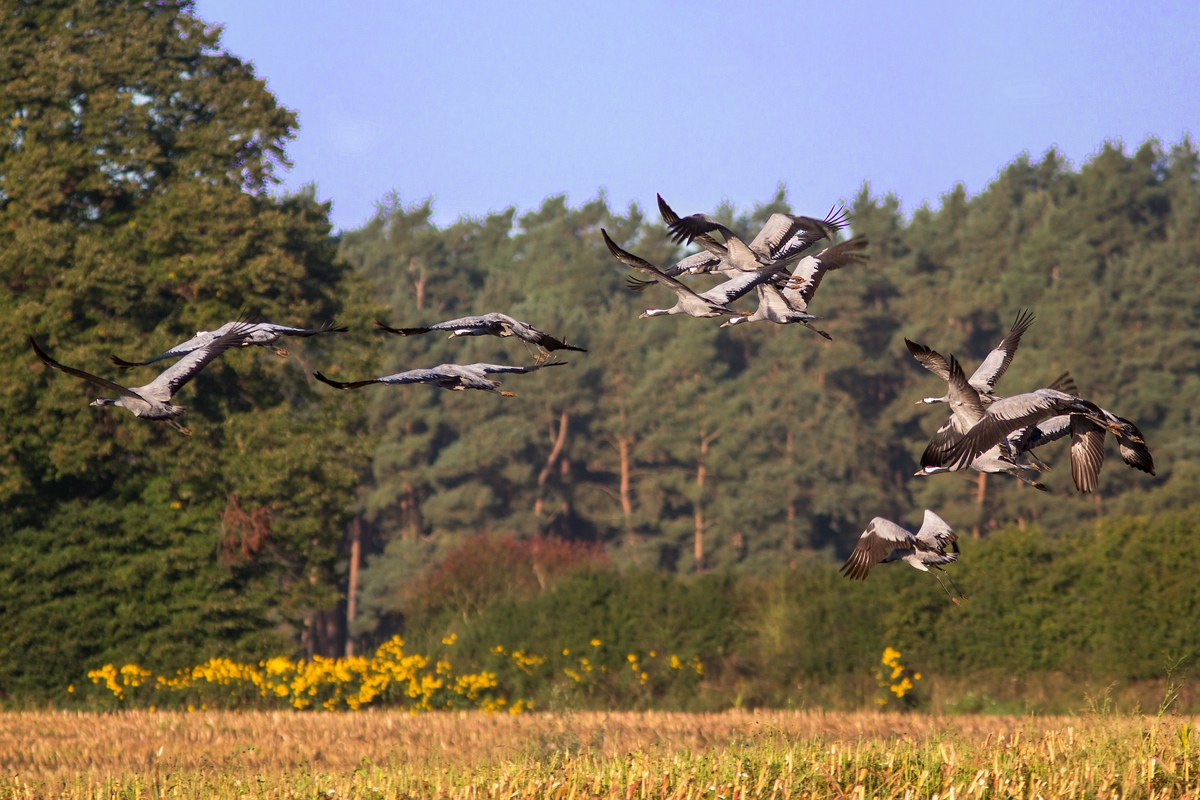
[{"x": 566, "y": 755}]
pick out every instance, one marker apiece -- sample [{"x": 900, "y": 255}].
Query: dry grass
[{"x": 626, "y": 755}]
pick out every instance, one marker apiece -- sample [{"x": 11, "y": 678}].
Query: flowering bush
[
  {"x": 389, "y": 677},
  {"x": 897, "y": 681}
]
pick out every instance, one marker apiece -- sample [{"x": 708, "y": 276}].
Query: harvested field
[{"x": 627, "y": 755}]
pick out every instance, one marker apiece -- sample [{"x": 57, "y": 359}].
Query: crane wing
[
  {"x": 401, "y": 331},
  {"x": 807, "y": 231},
  {"x": 1008, "y": 415},
  {"x": 996, "y": 363},
  {"x": 78, "y": 373},
  {"x": 489, "y": 368},
  {"x": 1087, "y": 453},
  {"x": 930, "y": 359},
  {"x": 645, "y": 267},
  {"x": 697, "y": 264},
  {"x": 284, "y": 330},
  {"x": 193, "y": 344},
  {"x": 172, "y": 379},
  {"x": 881, "y": 537},
  {"x": 690, "y": 228},
  {"x": 806, "y": 278},
  {"x": 935, "y": 532}
]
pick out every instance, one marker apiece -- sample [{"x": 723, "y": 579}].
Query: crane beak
[{"x": 643, "y": 315}]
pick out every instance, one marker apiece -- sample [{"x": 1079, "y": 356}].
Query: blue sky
[{"x": 487, "y": 105}]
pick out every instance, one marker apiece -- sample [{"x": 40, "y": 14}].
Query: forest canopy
[{"x": 139, "y": 203}]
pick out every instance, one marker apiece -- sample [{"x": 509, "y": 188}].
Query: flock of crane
[{"x": 985, "y": 432}]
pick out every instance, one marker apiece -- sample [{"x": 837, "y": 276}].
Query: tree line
[{"x": 138, "y": 204}]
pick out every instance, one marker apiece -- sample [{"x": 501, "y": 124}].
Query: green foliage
[
  {"x": 604, "y": 616},
  {"x": 136, "y": 164},
  {"x": 1092, "y": 605},
  {"x": 801, "y": 441},
  {"x": 134, "y": 169}
]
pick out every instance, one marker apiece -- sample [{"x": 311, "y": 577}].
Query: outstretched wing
[
  {"x": 711, "y": 259},
  {"x": 489, "y": 368},
  {"x": 994, "y": 366},
  {"x": 806, "y": 278},
  {"x": 935, "y": 532},
  {"x": 930, "y": 359},
  {"x": 807, "y": 231},
  {"x": 940, "y": 444},
  {"x": 284, "y": 330},
  {"x": 741, "y": 284},
  {"x": 201, "y": 339},
  {"x": 881, "y": 537},
  {"x": 433, "y": 375},
  {"x": 1087, "y": 453},
  {"x": 692, "y": 227},
  {"x": 548, "y": 342},
  {"x": 345, "y": 385},
  {"x": 1134, "y": 451},
  {"x": 491, "y": 323},
  {"x": 78, "y": 373},
  {"x": 171, "y": 380},
  {"x": 1008, "y": 415},
  {"x": 698, "y": 264},
  {"x": 645, "y": 267},
  {"x": 1035, "y": 436},
  {"x": 401, "y": 331}
]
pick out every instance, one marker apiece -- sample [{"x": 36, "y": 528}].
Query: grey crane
[
  {"x": 490, "y": 324},
  {"x": 262, "y": 334},
  {"x": 788, "y": 303},
  {"x": 455, "y": 377},
  {"x": 152, "y": 401},
  {"x": 782, "y": 239},
  {"x": 712, "y": 303},
  {"x": 884, "y": 541},
  {"x": 988, "y": 374},
  {"x": 1008, "y": 415},
  {"x": 1087, "y": 445},
  {"x": 966, "y": 410}
]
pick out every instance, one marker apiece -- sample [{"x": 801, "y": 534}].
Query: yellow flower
[
  {"x": 450, "y": 639},
  {"x": 595, "y": 643},
  {"x": 566, "y": 652},
  {"x": 891, "y": 657},
  {"x": 631, "y": 658}
]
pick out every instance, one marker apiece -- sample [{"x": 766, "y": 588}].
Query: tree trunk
[
  {"x": 979, "y": 495},
  {"x": 701, "y": 471},
  {"x": 791, "y": 503},
  {"x": 352, "y": 583},
  {"x": 417, "y": 269},
  {"x": 626, "y": 503},
  {"x": 555, "y": 452}
]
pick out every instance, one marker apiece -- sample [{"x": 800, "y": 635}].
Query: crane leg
[
  {"x": 178, "y": 427},
  {"x": 955, "y": 585},
  {"x": 818, "y": 331},
  {"x": 953, "y": 599}
]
